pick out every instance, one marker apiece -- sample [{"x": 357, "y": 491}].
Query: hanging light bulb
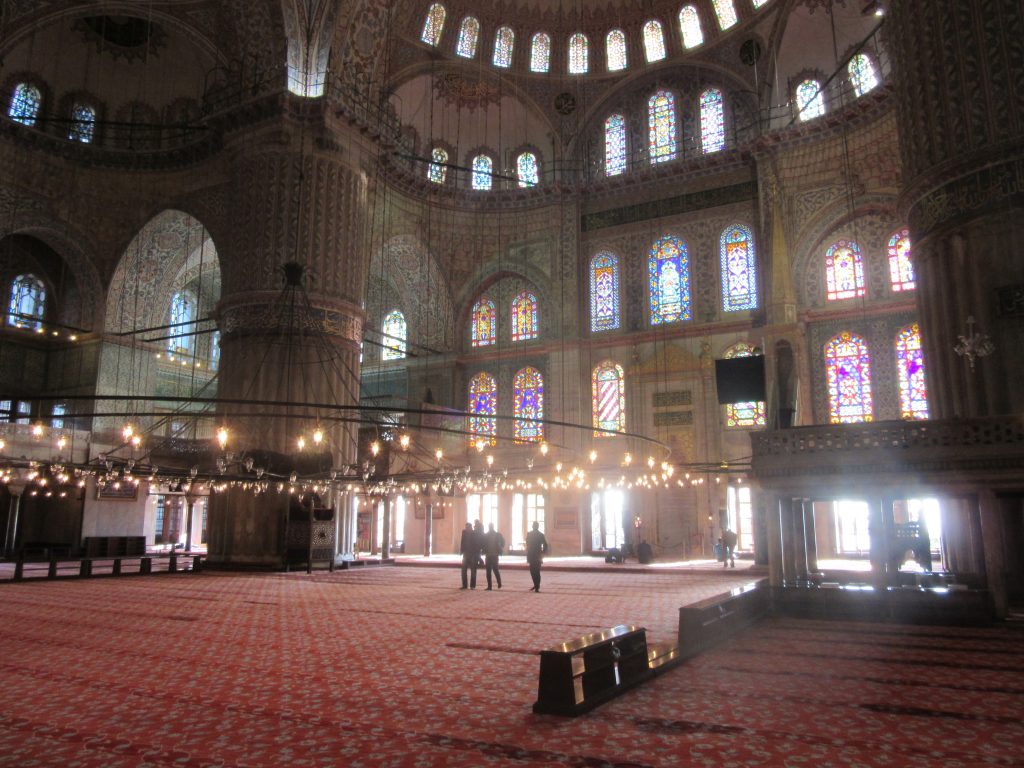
[
  {"x": 128, "y": 431},
  {"x": 404, "y": 442},
  {"x": 438, "y": 454},
  {"x": 650, "y": 462},
  {"x": 3, "y": 445},
  {"x": 136, "y": 441},
  {"x": 222, "y": 437},
  {"x": 544, "y": 449},
  {"x": 375, "y": 448},
  {"x": 301, "y": 442},
  {"x": 490, "y": 460},
  {"x": 593, "y": 456},
  {"x": 61, "y": 442},
  {"x": 318, "y": 436},
  {"x": 37, "y": 430},
  {"x": 480, "y": 445}
]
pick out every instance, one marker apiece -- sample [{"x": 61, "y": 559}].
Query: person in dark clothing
[
  {"x": 728, "y": 548},
  {"x": 536, "y": 548},
  {"x": 469, "y": 547},
  {"x": 494, "y": 546},
  {"x": 478, "y": 529}
]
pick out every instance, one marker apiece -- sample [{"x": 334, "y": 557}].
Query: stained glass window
[
  {"x": 524, "y": 317},
  {"x": 469, "y": 32},
  {"x": 483, "y": 399},
  {"x": 83, "y": 124},
  {"x": 614, "y": 145},
  {"x": 615, "y": 46},
  {"x": 215, "y": 350},
  {"x": 483, "y": 322},
  {"x": 184, "y": 311},
  {"x": 394, "y": 332},
  {"x": 528, "y": 403},
  {"x": 739, "y": 269},
  {"x": 910, "y": 368},
  {"x": 848, "y": 371},
  {"x": 725, "y": 10},
  {"x": 433, "y": 25},
  {"x": 25, "y": 103},
  {"x": 654, "y": 41},
  {"x": 28, "y": 302},
  {"x": 712, "y": 120},
  {"x": 862, "y": 74},
  {"x": 529, "y": 173},
  {"x": 579, "y": 55},
  {"x": 609, "y": 398},
  {"x": 438, "y": 170},
  {"x": 669, "y": 281},
  {"x": 759, "y": 3},
  {"x": 604, "y": 292},
  {"x": 504, "y": 40},
  {"x": 540, "y": 52},
  {"x": 483, "y": 168},
  {"x": 809, "y": 100},
  {"x": 901, "y": 268},
  {"x": 661, "y": 119},
  {"x": 750, "y": 414},
  {"x": 689, "y": 25},
  {"x": 844, "y": 271}
]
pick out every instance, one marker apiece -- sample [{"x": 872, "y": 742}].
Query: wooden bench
[
  {"x": 705, "y": 624},
  {"x": 580, "y": 674}
]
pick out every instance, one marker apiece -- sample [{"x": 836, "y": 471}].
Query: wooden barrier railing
[{"x": 85, "y": 567}]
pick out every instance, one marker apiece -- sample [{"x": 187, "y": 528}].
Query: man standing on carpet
[
  {"x": 536, "y": 548},
  {"x": 728, "y": 548},
  {"x": 494, "y": 545},
  {"x": 470, "y": 549}
]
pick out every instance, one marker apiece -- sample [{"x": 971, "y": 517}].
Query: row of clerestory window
[
  {"x": 27, "y": 101},
  {"x": 578, "y": 45},
  {"x": 527, "y": 169}
]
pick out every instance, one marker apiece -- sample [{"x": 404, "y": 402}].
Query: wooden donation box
[{"x": 580, "y": 674}]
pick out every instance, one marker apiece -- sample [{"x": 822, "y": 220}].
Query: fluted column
[
  {"x": 959, "y": 72},
  {"x": 298, "y": 199}
]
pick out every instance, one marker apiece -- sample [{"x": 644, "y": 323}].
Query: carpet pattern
[{"x": 398, "y": 667}]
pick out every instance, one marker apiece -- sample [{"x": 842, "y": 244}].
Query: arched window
[
  {"x": 654, "y": 41},
  {"x": 184, "y": 311},
  {"x": 437, "y": 171},
  {"x": 809, "y": 100},
  {"x": 725, "y": 10},
  {"x": 668, "y": 270},
  {"x": 394, "y": 336},
  {"x": 483, "y": 172},
  {"x": 609, "y": 398},
  {"x": 83, "y": 125},
  {"x": 848, "y": 371},
  {"x": 750, "y": 414},
  {"x": 712, "y": 120},
  {"x": 901, "y": 268},
  {"x": 615, "y": 48},
  {"x": 844, "y": 271},
  {"x": 25, "y": 103},
  {"x": 689, "y": 25},
  {"x": 604, "y": 292},
  {"x": 614, "y": 145},
  {"x": 215, "y": 350},
  {"x": 433, "y": 25},
  {"x": 579, "y": 54},
  {"x": 739, "y": 269},
  {"x": 483, "y": 400},
  {"x": 504, "y": 40},
  {"x": 528, "y": 403},
  {"x": 469, "y": 32},
  {"x": 28, "y": 302},
  {"x": 527, "y": 170},
  {"x": 524, "y": 317},
  {"x": 540, "y": 52},
  {"x": 661, "y": 121},
  {"x": 862, "y": 74},
  {"x": 910, "y": 369},
  {"x": 483, "y": 323}
]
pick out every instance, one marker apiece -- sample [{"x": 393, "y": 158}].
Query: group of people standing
[{"x": 490, "y": 544}]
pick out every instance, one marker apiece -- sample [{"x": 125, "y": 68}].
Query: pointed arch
[
  {"x": 483, "y": 403},
  {"x": 528, "y": 403},
  {"x": 608, "y": 398},
  {"x": 540, "y": 52},
  {"x": 579, "y": 54},
  {"x": 504, "y": 42},
  {"x": 661, "y": 124},
  {"x": 654, "y": 41},
  {"x": 604, "y": 292},
  {"x": 848, "y": 373},
  {"x": 689, "y": 27},
  {"x": 910, "y": 373},
  {"x": 483, "y": 323},
  {"x": 469, "y": 34},
  {"x": 524, "y": 317},
  {"x": 668, "y": 269},
  {"x": 433, "y": 25},
  {"x": 901, "y": 268},
  {"x": 844, "y": 271},
  {"x": 615, "y": 50},
  {"x": 739, "y": 269}
]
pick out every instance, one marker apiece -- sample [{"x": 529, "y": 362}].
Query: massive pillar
[
  {"x": 959, "y": 71},
  {"x": 299, "y": 197}
]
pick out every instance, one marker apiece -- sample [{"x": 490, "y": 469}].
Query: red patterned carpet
[{"x": 397, "y": 667}]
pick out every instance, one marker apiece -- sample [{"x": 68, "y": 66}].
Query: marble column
[{"x": 288, "y": 335}]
